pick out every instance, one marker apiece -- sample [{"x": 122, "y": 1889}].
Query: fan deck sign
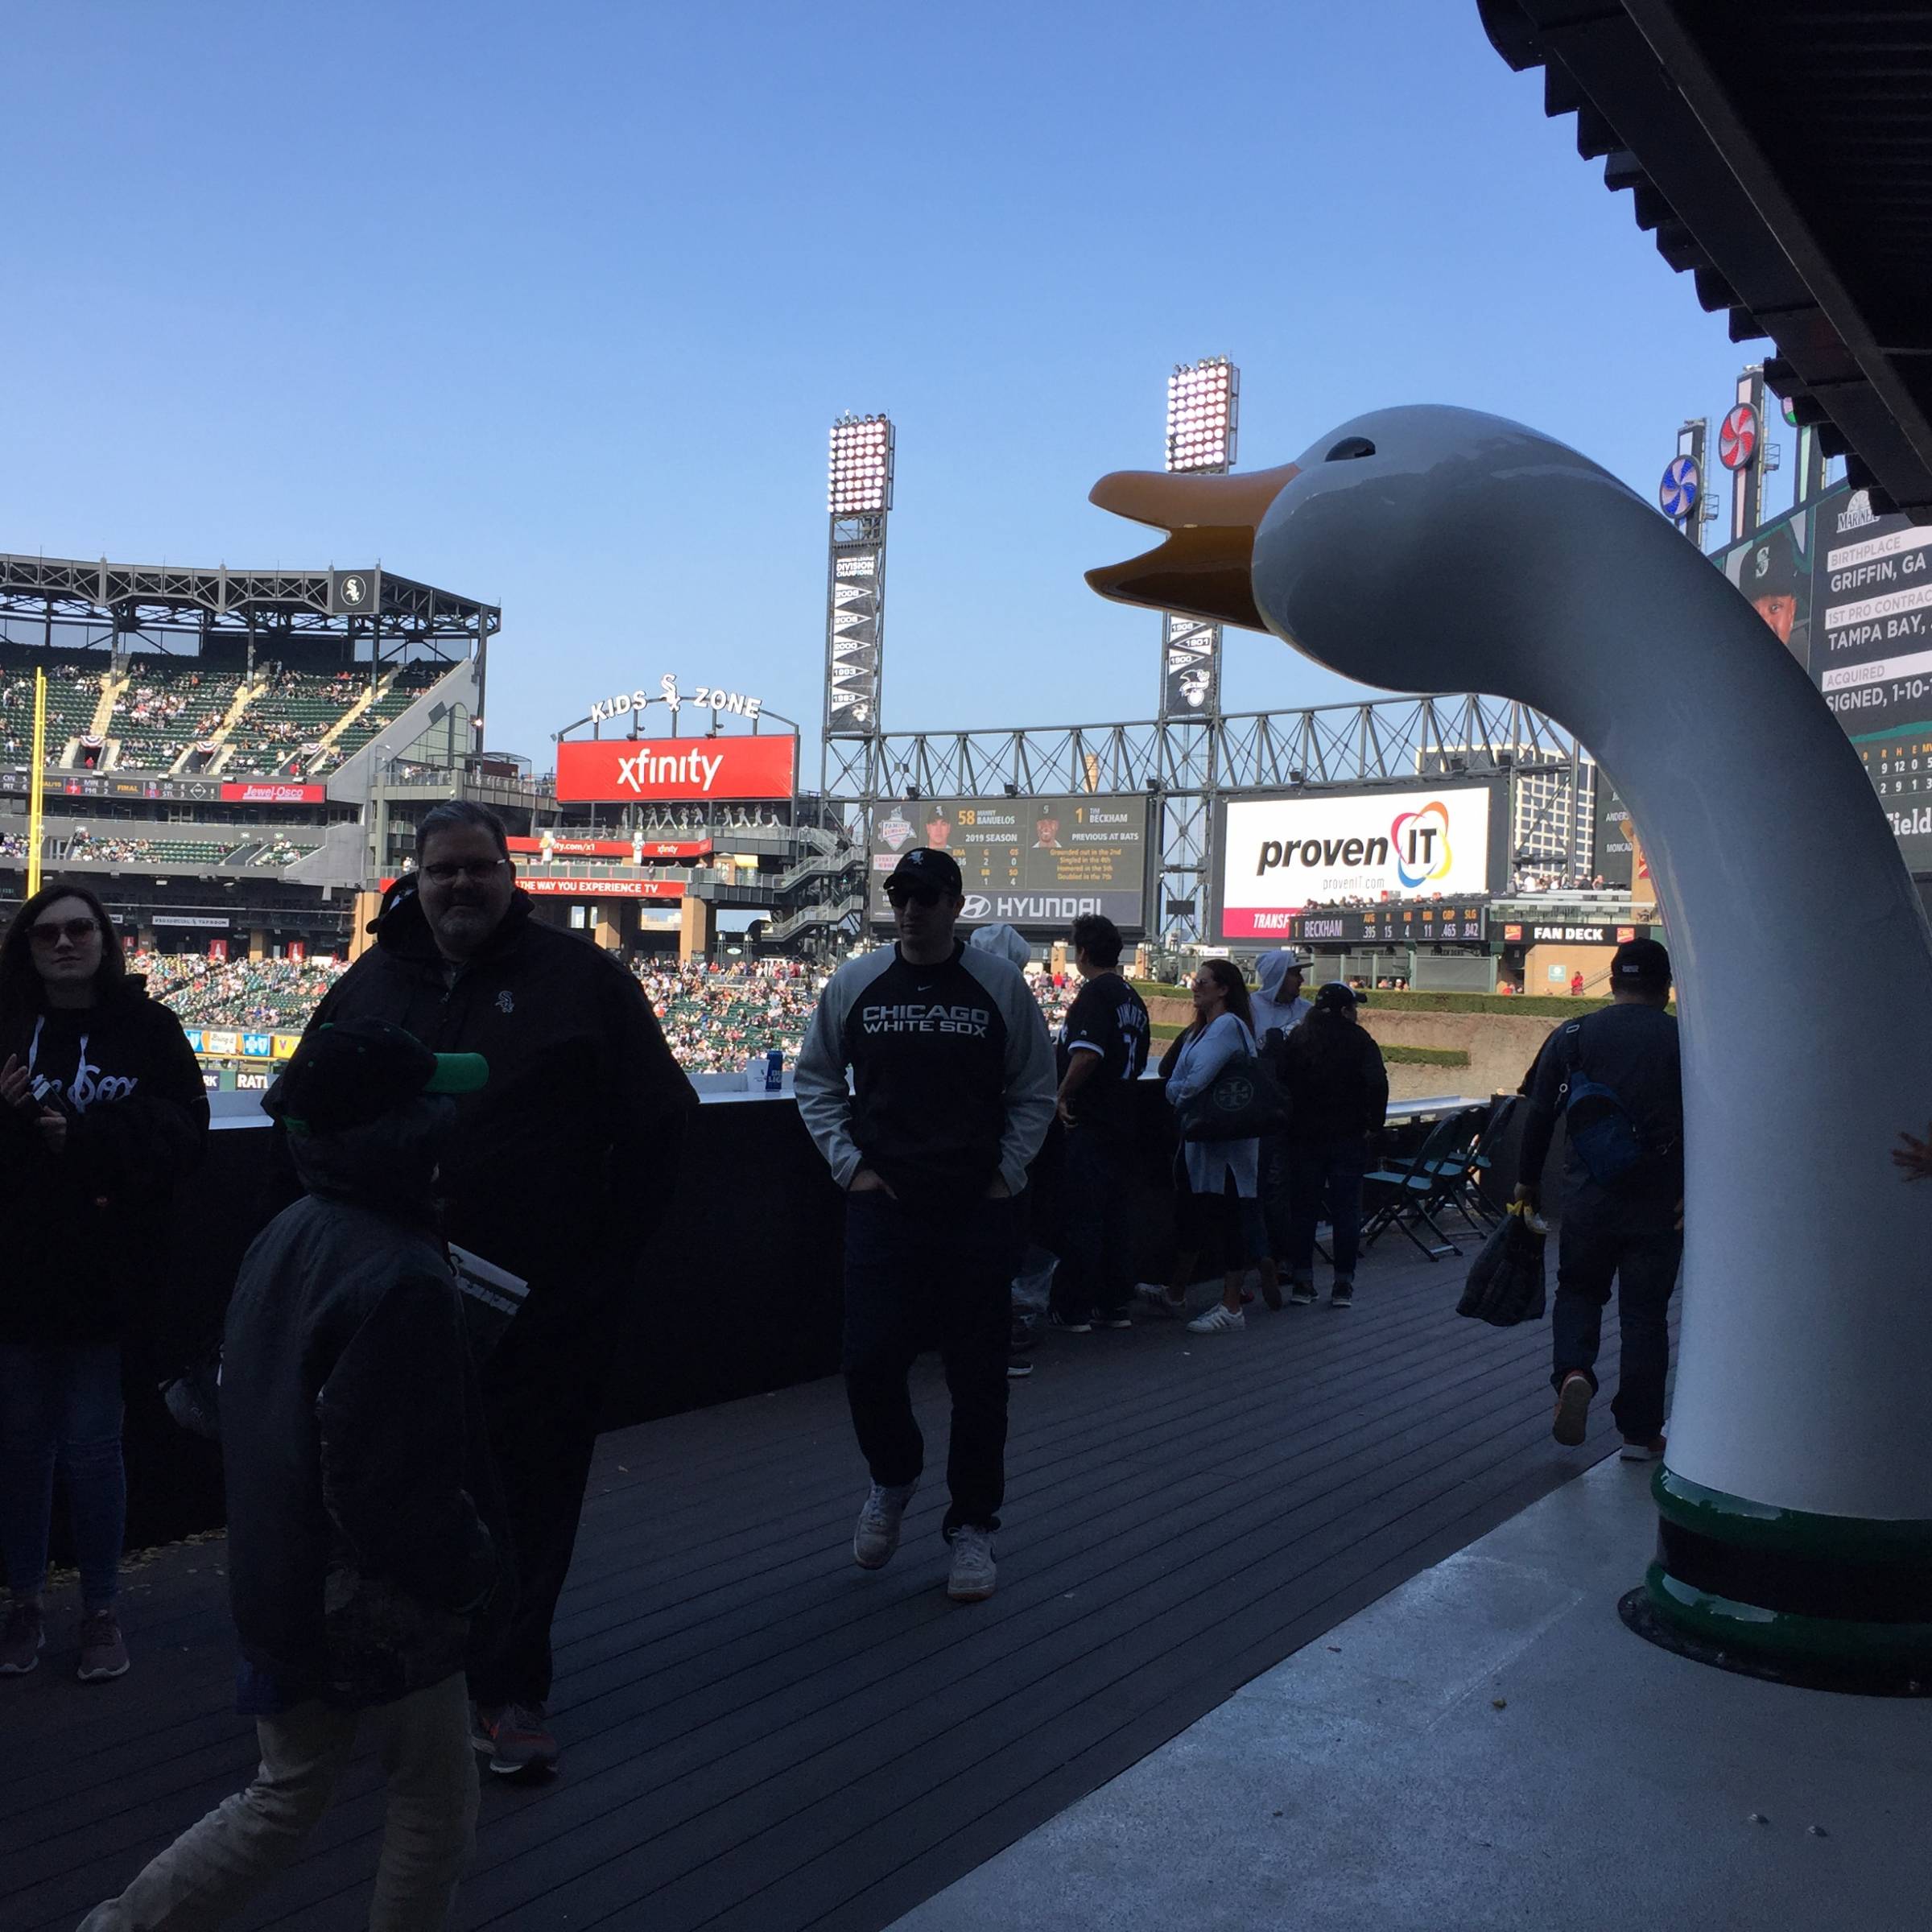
[{"x": 607, "y": 770}]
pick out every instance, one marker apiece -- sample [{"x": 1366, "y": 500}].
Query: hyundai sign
[
  {"x": 618, "y": 770},
  {"x": 1281, "y": 855}
]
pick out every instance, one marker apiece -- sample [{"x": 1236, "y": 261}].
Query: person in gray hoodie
[{"x": 1278, "y": 1009}]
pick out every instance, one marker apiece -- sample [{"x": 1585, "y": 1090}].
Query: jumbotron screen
[
  {"x": 1849, "y": 594},
  {"x": 1282, "y": 856},
  {"x": 1035, "y": 864}
]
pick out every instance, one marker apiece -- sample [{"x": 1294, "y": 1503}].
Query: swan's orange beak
[{"x": 1202, "y": 570}]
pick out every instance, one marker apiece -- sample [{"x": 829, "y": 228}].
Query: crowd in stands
[
  {"x": 280, "y": 852},
  {"x": 72, "y": 692},
  {"x": 273, "y": 995},
  {"x": 87, "y": 847},
  {"x": 163, "y": 715},
  {"x": 717, "y": 1019},
  {"x": 1526, "y": 882},
  {"x": 289, "y": 709}
]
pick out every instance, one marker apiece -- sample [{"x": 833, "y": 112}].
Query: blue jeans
[
  {"x": 61, "y": 1402},
  {"x": 1329, "y": 1173}
]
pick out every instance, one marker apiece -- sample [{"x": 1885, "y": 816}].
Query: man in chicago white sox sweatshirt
[{"x": 951, "y": 1095}]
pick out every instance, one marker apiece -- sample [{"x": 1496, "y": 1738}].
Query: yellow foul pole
[{"x": 34, "y": 785}]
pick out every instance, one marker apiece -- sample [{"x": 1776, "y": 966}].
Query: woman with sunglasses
[{"x": 102, "y": 1112}]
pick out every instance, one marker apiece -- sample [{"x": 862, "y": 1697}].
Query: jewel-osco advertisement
[{"x": 1279, "y": 856}]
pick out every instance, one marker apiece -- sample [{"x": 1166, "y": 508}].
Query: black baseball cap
[
  {"x": 927, "y": 865},
  {"x": 1642, "y": 963},
  {"x": 1338, "y": 996},
  {"x": 348, "y": 1074}
]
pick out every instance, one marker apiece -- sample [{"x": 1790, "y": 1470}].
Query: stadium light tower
[
  {"x": 1204, "y": 416},
  {"x": 859, "y": 497}
]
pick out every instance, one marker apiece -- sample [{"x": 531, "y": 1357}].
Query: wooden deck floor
[{"x": 760, "y": 1737}]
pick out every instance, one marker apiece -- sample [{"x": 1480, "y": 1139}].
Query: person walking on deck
[
  {"x": 950, "y": 1096},
  {"x": 1615, "y": 1077}
]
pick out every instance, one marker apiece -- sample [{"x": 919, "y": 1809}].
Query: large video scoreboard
[
  {"x": 1849, "y": 594},
  {"x": 1035, "y": 864}
]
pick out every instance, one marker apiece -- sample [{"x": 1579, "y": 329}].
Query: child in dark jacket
[{"x": 364, "y": 1519}]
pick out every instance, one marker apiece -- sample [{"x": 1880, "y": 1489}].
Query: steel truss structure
[
  {"x": 107, "y": 602},
  {"x": 1188, "y": 764}
]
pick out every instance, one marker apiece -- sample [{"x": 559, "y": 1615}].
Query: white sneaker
[
  {"x": 877, "y": 1534},
  {"x": 1218, "y": 1320},
  {"x": 973, "y": 1576},
  {"x": 1156, "y": 1297}
]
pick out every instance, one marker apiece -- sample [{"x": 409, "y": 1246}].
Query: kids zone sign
[
  {"x": 1278, "y": 855},
  {"x": 611, "y": 770}
]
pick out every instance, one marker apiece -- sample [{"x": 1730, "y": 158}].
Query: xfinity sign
[{"x": 618, "y": 771}]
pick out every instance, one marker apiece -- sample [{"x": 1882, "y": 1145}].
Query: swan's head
[{"x": 1389, "y": 550}]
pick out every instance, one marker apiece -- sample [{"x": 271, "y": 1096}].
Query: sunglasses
[
  {"x": 49, "y": 933},
  {"x": 917, "y": 895},
  {"x": 479, "y": 872}
]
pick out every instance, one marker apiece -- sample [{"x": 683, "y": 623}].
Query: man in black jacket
[
  {"x": 582, "y": 1119},
  {"x": 1616, "y": 1075},
  {"x": 363, "y": 1513},
  {"x": 951, "y": 1094}
]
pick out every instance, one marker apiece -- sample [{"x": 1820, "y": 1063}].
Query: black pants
[
  {"x": 543, "y": 1390},
  {"x": 1222, "y": 1231},
  {"x": 1275, "y": 1195},
  {"x": 1637, "y": 1246},
  {"x": 1324, "y": 1177},
  {"x": 917, "y": 1278},
  {"x": 1096, "y": 1273}
]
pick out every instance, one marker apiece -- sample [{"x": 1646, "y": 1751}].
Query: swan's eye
[{"x": 1350, "y": 446}]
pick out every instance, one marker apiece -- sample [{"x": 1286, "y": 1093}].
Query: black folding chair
[
  {"x": 1406, "y": 1192},
  {"x": 1464, "y": 1172}
]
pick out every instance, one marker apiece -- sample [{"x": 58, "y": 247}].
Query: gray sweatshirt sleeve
[
  {"x": 1030, "y": 1081},
  {"x": 823, "y": 1095}
]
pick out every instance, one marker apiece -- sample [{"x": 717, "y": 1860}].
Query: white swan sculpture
[{"x": 1434, "y": 549}]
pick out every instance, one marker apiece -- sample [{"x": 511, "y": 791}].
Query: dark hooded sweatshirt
[
  {"x": 364, "y": 1519},
  {"x": 585, "y": 1110},
  {"x": 89, "y": 1224}
]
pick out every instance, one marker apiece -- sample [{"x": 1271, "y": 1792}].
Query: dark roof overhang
[{"x": 1781, "y": 154}]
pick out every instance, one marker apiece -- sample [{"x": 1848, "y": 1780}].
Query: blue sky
[{"x": 554, "y": 306}]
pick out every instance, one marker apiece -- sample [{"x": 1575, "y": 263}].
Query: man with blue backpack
[{"x": 1614, "y": 1077}]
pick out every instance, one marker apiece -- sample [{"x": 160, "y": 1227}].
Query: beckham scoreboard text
[{"x": 1035, "y": 864}]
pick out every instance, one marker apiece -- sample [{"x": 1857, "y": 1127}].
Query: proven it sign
[
  {"x": 1279, "y": 854},
  {"x": 608, "y": 770}
]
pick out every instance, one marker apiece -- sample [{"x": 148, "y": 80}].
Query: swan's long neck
[
  {"x": 1477, "y": 556},
  {"x": 1804, "y": 972}
]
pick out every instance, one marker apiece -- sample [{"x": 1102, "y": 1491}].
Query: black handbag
[{"x": 1242, "y": 1102}]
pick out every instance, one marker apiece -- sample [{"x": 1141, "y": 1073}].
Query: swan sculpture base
[{"x": 1433, "y": 550}]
